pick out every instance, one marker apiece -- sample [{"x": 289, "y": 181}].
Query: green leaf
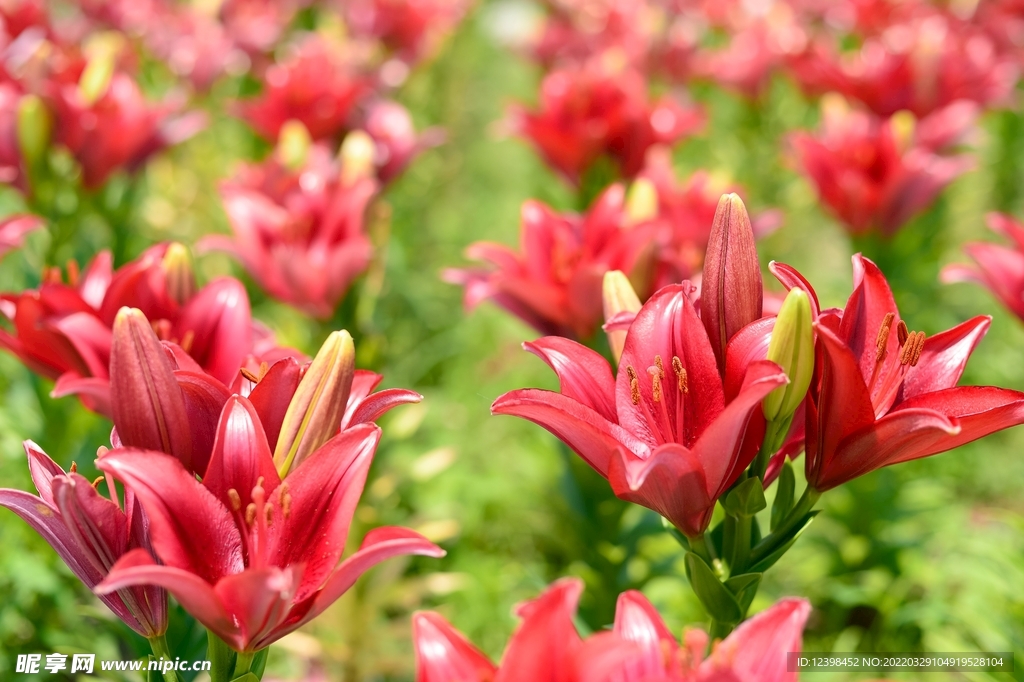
[
  {"x": 716, "y": 598},
  {"x": 744, "y": 587},
  {"x": 247, "y": 677},
  {"x": 259, "y": 662},
  {"x": 768, "y": 561},
  {"x": 784, "y": 493},
  {"x": 746, "y": 499}
]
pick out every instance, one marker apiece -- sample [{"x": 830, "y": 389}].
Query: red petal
[
  {"x": 204, "y": 399},
  {"x": 219, "y": 319},
  {"x": 583, "y": 374},
  {"x": 371, "y": 408},
  {"x": 272, "y": 395},
  {"x": 790, "y": 277},
  {"x": 758, "y": 649},
  {"x": 240, "y": 456},
  {"x": 944, "y": 357},
  {"x": 636, "y": 620},
  {"x": 543, "y": 647},
  {"x": 258, "y": 600},
  {"x": 443, "y": 654},
  {"x": 865, "y": 310}
]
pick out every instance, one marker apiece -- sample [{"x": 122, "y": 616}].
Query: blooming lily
[
  {"x": 870, "y": 173},
  {"x": 396, "y": 142},
  {"x": 63, "y": 330},
  {"x": 13, "y": 230},
  {"x": 886, "y": 394},
  {"x": 410, "y": 29},
  {"x": 998, "y": 268},
  {"x": 300, "y": 233},
  {"x": 639, "y": 648},
  {"x": 667, "y": 432},
  {"x": 90, "y": 533},
  {"x": 251, "y": 553},
  {"x": 600, "y": 110},
  {"x": 554, "y": 284}
]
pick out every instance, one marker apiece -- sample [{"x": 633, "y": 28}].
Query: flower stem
[
  {"x": 719, "y": 630},
  {"x": 158, "y": 645},
  {"x": 796, "y": 514}
]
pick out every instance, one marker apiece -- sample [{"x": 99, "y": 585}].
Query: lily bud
[
  {"x": 34, "y": 128},
  {"x": 96, "y": 77},
  {"x": 147, "y": 405},
  {"x": 641, "y": 201},
  {"x": 731, "y": 293},
  {"x": 902, "y": 124},
  {"x": 293, "y": 144},
  {"x": 618, "y": 297},
  {"x": 792, "y": 348},
  {"x": 357, "y": 155},
  {"x": 179, "y": 274},
  {"x": 314, "y": 414}
]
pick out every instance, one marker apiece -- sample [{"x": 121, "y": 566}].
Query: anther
[
  {"x": 918, "y": 348},
  {"x": 286, "y": 505},
  {"x": 902, "y": 333},
  {"x": 73, "y": 272},
  {"x": 250, "y": 514},
  {"x": 96, "y": 483},
  {"x": 268, "y": 515},
  {"x": 249, "y": 375},
  {"x": 882, "y": 340},
  {"x": 661, "y": 367},
  {"x": 186, "y": 341},
  {"x": 264, "y": 368},
  {"x": 634, "y": 386},
  {"x": 677, "y": 367},
  {"x": 656, "y": 375},
  {"x": 235, "y": 499},
  {"x": 74, "y": 468}
]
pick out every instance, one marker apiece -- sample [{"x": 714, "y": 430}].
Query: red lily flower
[
  {"x": 754, "y": 52},
  {"x": 999, "y": 268},
  {"x": 395, "y": 138},
  {"x": 411, "y": 29},
  {"x": 887, "y": 395},
  {"x": 315, "y": 85},
  {"x": 670, "y": 442},
  {"x": 90, "y": 533},
  {"x": 253, "y": 555},
  {"x": 299, "y": 233},
  {"x": 594, "y": 110},
  {"x": 12, "y": 169},
  {"x": 871, "y": 174},
  {"x": 13, "y": 230},
  {"x": 640, "y": 648},
  {"x": 115, "y": 127},
  {"x": 193, "y": 44},
  {"x": 554, "y": 284},
  {"x": 63, "y": 331},
  {"x": 257, "y": 25},
  {"x": 577, "y": 31}
]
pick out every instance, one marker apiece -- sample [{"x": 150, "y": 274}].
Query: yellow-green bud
[
  {"x": 315, "y": 411},
  {"x": 34, "y": 128},
  {"x": 641, "y": 201},
  {"x": 293, "y": 143},
  {"x": 179, "y": 273},
  {"x": 792, "y": 348},
  {"x": 96, "y": 77},
  {"x": 618, "y": 297},
  {"x": 903, "y": 124},
  {"x": 357, "y": 154}
]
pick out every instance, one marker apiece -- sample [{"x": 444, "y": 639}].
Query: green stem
[
  {"x": 741, "y": 545},
  {"x": 701, "y": 548},
  {"x": 719, "y": 630},
  {"x": 242, "y": 663},
  {"x": 159, "y": 647},
  {"x": 796, "y": 514}
]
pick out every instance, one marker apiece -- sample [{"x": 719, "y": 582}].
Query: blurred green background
[{"x": 927, "y": 556}]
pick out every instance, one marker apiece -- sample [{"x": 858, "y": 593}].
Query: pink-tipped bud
[
  {"x": 179, "y": 274},
  {"x": 147, "y": 404},
  {"x": 619, "y": 297},
  {"x": 315, "y": 411},
  {"x": 731, "y": 292}
]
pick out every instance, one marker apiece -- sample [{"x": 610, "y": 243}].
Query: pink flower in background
[
  {"x": 396, "y": 140},
  {"x": 577, "y": 31},
  {"x": 409, "y": 28},
  {"x": 314, "y": 84},
  {"x": 252, "y": 551},
  {"x": 13, "y": 230},
  {"x": 257, "y": 25},
  {"x": 599, "y": 110},
  {"x": 63, "y": 330},
  {"x": 554, "y": 282},
  {"x": 194, "y": 46},
  {"x": 299, "y": 233},
  {"x": 90, "y": 533},
  {"x": 639, "y": 648},
  {"x": 12, "y": 170},
  {"x": 668, "y": 431},
  {"x": 876, "y": 174},
  {"x": 998, "y": 268},
  {"x": 109, "y": 126}
]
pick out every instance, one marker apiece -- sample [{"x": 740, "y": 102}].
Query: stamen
[
  {"x": 74, "y": 468},
  {"x": 902, "y": 333},
  {"x": 284, "y": 499},
  {"x": 918, "y": 348},
  {"x": 661, "y": 367},
  {"x": 51, "y": 275},
  {"x": 73, "y": 272},
  {"x": 96, "y": 483},
  {"x": 634, "y": 386},
  {"x": 235, "y": 499},
  {"x": 264, "y": 368},
  {"x": 250, "y": 514},
  {"x": 677, "y": 367},
  {"x": 249, "y": 375},
  {"x": 186, "y": 341},
  {"x": 655, "y": 382},
  {"x": 268, "y": 515},
  {"x": 882, "y": 340}
]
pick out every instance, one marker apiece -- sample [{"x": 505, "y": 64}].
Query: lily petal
[
  {"x": 758, "y": 648},
  {"x": 443, "y": 654},
  {"x": 943, "y": 358},
  {"x": 583, "y": 374},
  {"x": 240, "y": 456},
  {"x": 543, "y": 646}
]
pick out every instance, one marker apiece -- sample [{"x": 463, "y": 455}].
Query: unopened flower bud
[
  {"x": 34, "y": 128},
  {"x": 315, "y": 411},
  {"x": 293, "y": 143},
  {"x": 619, "y": 297},
  {"x": 357, "y": 157},
  {"x": 96, "y": 77},
  {"x": 731, "y": 289},
  {"x": 902, "y": 124},
  {"x": 641, "y": 201},
  {"x": 792, "y": 348},
  {"x": 179, "y": 274},
  {"x": 146, "y": 401}
]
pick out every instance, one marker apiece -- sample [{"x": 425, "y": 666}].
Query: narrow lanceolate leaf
[
  {"x": 732, "y": 292},
  {"x": 147, "y": 404},
  {"x": 315, "y": 411}
]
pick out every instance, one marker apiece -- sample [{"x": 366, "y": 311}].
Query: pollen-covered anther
[
  {"x": 902, "y": 333},
  {"x": 882, "y": 340},
  {"x": 656, "y": 375},
  {"x": 235, "y": 499},
  {"x": 911, "y": 351},
  {"x": 634, "y": 386},
  {"x": 187, "y": 340},
  {"x": 250, "y": 514},
  {"x": 73, "y": 272},
  {"x": 284, "y": 499},
  {"x": 660, "y": 366},
  {"x": 249, "y": 374},
  {"x": 74, "y": 468},
  {"x": 268, "y": 515},
  {"x": 680, "y": 371},
  {"x": 96, "y": 483}
]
